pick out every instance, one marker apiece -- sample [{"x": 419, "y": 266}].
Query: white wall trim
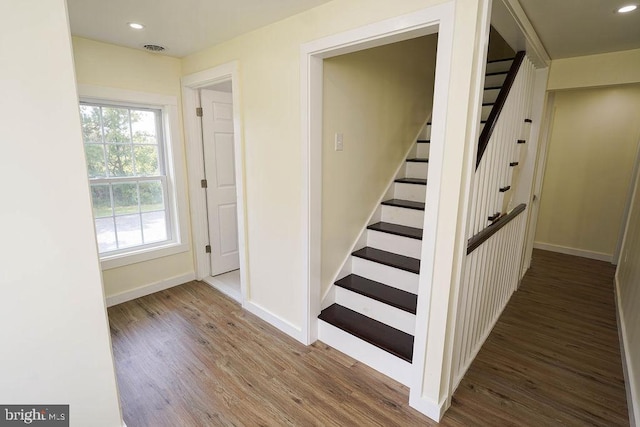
[
  {"x": 195, "y": 161},
  {"x": 274, "y": 320},
  {"x": 633, "y": 392},
  {"x": 444, "y": 253},
  {"x": 149, "y": 289},
  {"x": 535, "y": 48},
  {"x": 405, "y": 27},
  {"x": 440, "y": 19},
  {"x": 573, "y": 251}
]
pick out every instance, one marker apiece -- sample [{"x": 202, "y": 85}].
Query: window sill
[{"x": 134, "y": 257}]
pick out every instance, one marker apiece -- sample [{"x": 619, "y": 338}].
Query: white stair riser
[
  {"x": 425, "y": 133},
  {"x": 392, "y": 243},
  {"x": 486, "y": 110},
  {"x": 378, "y": 359},
  {"x": 413, "y": 192},
  {"x": 417, "y": 169},
  {"x": 376, "y": 310},
  {"x": 389, "y": 276},
  {"x": 423, "y": 150},
  {"x": 403, "y": 216},
  {"x": 495, "y": 67},
  {"x": 490, "y": 95},
  {"x": 497, "y": 80}
]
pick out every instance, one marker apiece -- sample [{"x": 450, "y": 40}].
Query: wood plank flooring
[{"x": 189, "y": 356}]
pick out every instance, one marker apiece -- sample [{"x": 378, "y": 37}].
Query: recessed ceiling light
[
  {"x": 628, "y": 8},
  {"x": 135, "y": 25}
]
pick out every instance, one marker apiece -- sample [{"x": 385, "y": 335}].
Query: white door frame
[
  {"x": 195, "y": 167},
  {"x": 436, "y": 19}
]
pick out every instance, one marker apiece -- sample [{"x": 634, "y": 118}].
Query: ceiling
[
  {"x": 566, "y": 27},
  {"x": 570, "y": 28},
  {"x": 181, "y": 26}
]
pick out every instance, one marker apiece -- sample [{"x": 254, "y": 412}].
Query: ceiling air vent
[{"x": 153, "y": 47}]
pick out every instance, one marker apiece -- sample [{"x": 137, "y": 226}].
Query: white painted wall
[
  {"x": 628, "y": 295},
  {"x": 53, "y": 326},
  {"x": 378, "y": 99},
  {"x": 103, "y": 64}
]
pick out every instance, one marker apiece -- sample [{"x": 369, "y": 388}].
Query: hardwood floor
[{"x": 189, "y": 356}]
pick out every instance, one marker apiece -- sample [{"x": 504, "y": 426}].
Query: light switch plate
[{"x": 339, "y": 142}]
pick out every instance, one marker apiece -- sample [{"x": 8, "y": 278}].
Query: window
[{"x": 132, "y": 181}]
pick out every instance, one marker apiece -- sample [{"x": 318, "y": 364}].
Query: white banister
[
  {"x": 494, "y": 172},
  {"x": 490, "y": 276}
]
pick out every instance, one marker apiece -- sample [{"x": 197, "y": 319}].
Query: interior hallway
[{"x": 189, "y": 356}]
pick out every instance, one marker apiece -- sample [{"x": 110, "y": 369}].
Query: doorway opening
[{"x": 216, "y": 185}]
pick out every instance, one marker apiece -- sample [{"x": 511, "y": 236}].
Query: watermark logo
[{"x": 34, "y": 415}]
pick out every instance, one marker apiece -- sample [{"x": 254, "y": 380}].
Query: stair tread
[
  {"x": 500, "y": 60},
  {"x": 385, "y": 337},
  {"x": 418, "y": 160},
  {"x": 497, "y": 73},
  {"x": 409, "y": 204},
  {"x": 418, "y": 181},
  {"x": 399, "y": 230},
  {"x": 390, "y": 259},
  {"x": 380, "y": 292},
  {"x": 493, "y": 88},
  {"x": 423, "y": 141}
]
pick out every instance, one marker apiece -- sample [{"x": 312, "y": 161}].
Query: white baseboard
[
  {"x": 431, "y": 409},
  {"x": 226, "y": 285},
  {"x": 573, "y": 251},
  {"x": 274, "y": 320},
  {"x": 149, "y": 289},
  {"x": 633, "y": 393}
]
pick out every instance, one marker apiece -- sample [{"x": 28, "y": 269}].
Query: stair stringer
[{"x": 328, "y": 297}]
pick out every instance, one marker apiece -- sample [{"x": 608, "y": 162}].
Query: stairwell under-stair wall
[{"x": 378, "y": 100}]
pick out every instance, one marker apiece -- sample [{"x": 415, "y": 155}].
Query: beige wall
[
  {"x": 628, "y": 293},
  {"x": 378, "y": 99},
  {"x": 269, "y": 61},
  {"x": 595, "y": 70},
  {"x": 591, "y": 153},
  {"x": 102, "y": 64},
  {"x": 53, "y": 326}
]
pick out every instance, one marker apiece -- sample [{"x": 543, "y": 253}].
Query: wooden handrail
[
  {"x": 477, "y": 240},
  {"x": 497, "y": 107}
]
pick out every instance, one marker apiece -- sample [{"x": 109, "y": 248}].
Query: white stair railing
[
  {"x": 494, "y": 171},
  {"x": 491, "y": 275},
  {"x": 492, "y": 267}
]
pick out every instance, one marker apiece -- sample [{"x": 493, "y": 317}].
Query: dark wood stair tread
[
  {"x": 399, "y": 230},
  {"x": 500, "y": 60},
  {"x": 385, "y": 337},
  {"x": 380, "y": 292},
  {"x": 401, "y": 262},
  {"x": 418, "y": 181},
  {"x": 399, "y": 203},
  {"x": 493, "y": 88},
  {"x": 497, "y": 73},
  {"x": 418, "y": 160},
  {"x": 423, "y": 141}
]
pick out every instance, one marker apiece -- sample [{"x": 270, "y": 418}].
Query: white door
[{"x": 217, "y": 135}]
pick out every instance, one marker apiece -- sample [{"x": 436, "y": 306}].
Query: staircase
[
  {"x": 495, "y": 74},
  {"x": 373, "y": 316},
  {"x": 370, "y": 313}
]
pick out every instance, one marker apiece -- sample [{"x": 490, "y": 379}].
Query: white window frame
[{"x": 175, "y": 173}]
